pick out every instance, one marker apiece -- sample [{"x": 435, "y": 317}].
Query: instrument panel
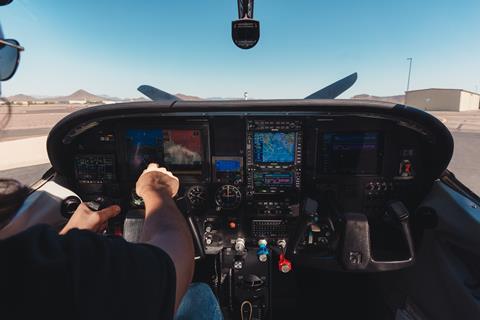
[
  {"x": 248, "y": 176},
  {"x": 263, "y": 182}
]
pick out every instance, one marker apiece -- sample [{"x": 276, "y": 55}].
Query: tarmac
[{"x": 24, "y": 155}]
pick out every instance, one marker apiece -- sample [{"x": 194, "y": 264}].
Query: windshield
[{"x": 84, "y": 53}]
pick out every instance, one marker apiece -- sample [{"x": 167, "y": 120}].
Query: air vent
[{"x": 269, "y": 228}]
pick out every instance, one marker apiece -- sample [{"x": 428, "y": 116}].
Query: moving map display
[{"x": 276, "y": 147}]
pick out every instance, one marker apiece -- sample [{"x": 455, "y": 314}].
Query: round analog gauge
[
  {"x": 197, "y": 195},
  {"x": 228, "y": 197}
]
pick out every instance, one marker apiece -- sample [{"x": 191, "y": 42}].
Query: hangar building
[{"x": 443, "y": 99}]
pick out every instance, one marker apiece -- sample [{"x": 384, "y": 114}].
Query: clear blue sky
[{"x": 111, "y": 47}]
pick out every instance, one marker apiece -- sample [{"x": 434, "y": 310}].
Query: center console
[
  {"x": 274, "y": 173},
  {"x": 272, "y": 192}
]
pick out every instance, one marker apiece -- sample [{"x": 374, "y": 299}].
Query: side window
[
  {"x": 464, "y": 163},
  {"x": 26, "y": 175}
]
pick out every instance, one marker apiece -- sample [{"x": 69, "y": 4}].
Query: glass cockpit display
[
  {"x": 182, "y": 147},
  {"x": 94, "y": 168},
  {"x": 273, "y": 179},
  {"x": 274, "y": 147},
  {"x": 176, "y": 149},
  {"x": 143, "y": 147},
  {"x": 227, "y": 169},
  {"x": 351, "y": 153},
  {"x": 227, "y": 165}
]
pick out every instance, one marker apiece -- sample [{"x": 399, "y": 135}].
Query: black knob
[
  {"x": 252, "y": 281},
  {"x": 99, "y": 203},
  {"x": 69, "y": 205}
]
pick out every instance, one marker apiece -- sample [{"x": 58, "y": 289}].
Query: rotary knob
[
  {"x": 208, "y": 240},
  {"x": 240, "y": 245}
]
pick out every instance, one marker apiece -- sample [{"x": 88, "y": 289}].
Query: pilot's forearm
[{"x": 166, "y": 228}]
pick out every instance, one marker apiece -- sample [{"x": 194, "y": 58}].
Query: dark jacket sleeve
[{"x": 88, "y": 276}]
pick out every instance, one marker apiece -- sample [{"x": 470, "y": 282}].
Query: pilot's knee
[{"x": 199, "y": 287}]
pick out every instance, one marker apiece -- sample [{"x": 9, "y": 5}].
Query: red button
[
  {"x": 232, "y": 225},
  {"x": 118, "y": 231},
  {"x": 284, "y": 265}
]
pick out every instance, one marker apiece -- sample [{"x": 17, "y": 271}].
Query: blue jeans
[{"x": 199, "y": 303}]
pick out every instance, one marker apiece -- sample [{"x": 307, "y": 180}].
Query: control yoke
[{"x": 356, "y": 254}]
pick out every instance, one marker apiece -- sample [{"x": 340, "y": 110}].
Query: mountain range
[
  {"x": 83, "y": 95},
  {"x": 79, "y": 95}
]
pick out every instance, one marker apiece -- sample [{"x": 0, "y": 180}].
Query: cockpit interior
[{"x": 273, "y": 191}]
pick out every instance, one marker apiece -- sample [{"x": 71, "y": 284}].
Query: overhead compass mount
[
  {"x": 245, "y": 9},
  {"x": 245, "y": 30}
]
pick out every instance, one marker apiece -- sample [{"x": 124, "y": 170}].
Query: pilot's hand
[
  {"x": 85, "y": 218},
  {"x": 158, "y": 180}
]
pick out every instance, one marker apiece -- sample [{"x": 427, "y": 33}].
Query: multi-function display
[
  {"x": 274, "y": 147},
  {"x": 173, "y": 148},
  {"x": 350, "y": 153},
  {"x": 274, "y": 156}
]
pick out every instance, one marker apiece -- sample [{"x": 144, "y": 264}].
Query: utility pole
[{"x": 409, "y": 73}]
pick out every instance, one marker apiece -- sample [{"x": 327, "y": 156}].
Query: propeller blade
[
  {"x": 156, "y": 94},
  {"x": 335, "y": 89}
]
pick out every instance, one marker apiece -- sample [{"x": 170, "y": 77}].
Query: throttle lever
[
  {"x": 298, "y": 233},
  {"x": 99, "y": 203}
]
